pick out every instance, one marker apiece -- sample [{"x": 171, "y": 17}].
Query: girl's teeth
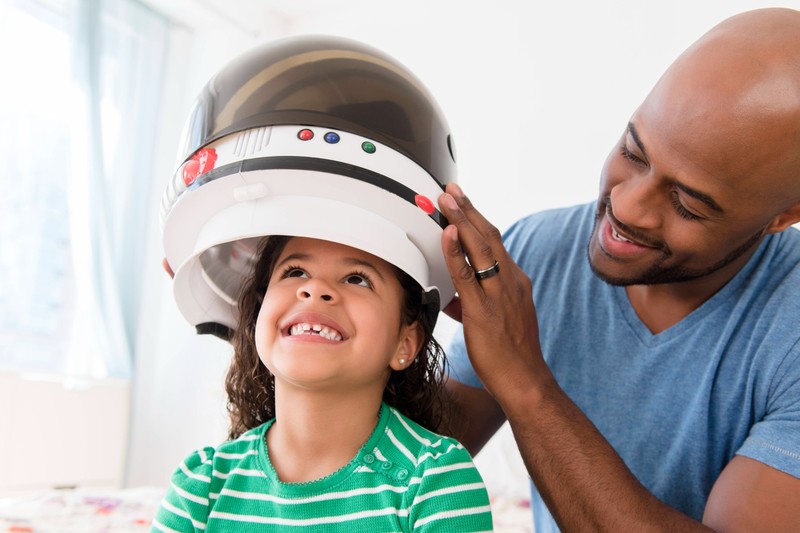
[{"x": 315, "y": 329}]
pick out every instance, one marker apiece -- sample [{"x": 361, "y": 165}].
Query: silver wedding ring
[{"x": 481, "y": 275}]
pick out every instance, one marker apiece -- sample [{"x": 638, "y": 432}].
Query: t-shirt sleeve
[
  {"x": 458, "y": 363},
  {"x": 775, "y": 440},
  {"x": 448, "y": 494},
  {"x": 185, "y": 505}
]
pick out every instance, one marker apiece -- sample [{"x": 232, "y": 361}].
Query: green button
[
  {"x": 368, "y": 147},
  {"x": 402, "y": 474},
  {"x": 387, "y": 465},
  {"x": 369, "y": 458}
]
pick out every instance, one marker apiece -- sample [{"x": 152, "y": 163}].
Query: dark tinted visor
[{"x": 326, "y": 82}]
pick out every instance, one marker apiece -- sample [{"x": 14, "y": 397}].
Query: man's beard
[{"x": 657, "y": 274}]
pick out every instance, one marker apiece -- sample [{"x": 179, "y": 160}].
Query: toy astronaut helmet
[{"x": 312, "y": 136}]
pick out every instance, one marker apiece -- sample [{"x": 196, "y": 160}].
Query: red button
[
  {"x": 305, "y": 135},
  {"x": 425, "y": 204},
  {"x": 191, "y": 169}
]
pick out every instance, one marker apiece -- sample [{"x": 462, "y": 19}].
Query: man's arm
[
  {"x": 583, "y": 481},
  {"x": 473, "y": 415},
  {"x": 751, "y": 496}
]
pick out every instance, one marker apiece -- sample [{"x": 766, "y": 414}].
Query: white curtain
[
  {"x": 119, "y": 59},
  {"x": 78, "y": 144}
]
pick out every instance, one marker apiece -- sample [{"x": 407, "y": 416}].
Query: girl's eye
[
  {"x": 359, "y": 279},
  {"x": 294, "y": 272}
]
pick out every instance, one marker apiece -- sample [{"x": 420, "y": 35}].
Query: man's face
[
  {"x": 657, "y": 228},
  {"x": 691, "y": 187}
]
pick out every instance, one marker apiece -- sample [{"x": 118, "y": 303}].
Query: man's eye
[
  {"x": 630, "y": 156},
  {"x": 679, "y": 207}
]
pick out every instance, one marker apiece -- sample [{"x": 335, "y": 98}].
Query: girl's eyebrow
[
  {"x": 292, "y": 257},
  {"x": 354, "y": 261}
]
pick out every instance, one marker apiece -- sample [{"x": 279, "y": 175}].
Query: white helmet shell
[{"x": 313, "y": 136}]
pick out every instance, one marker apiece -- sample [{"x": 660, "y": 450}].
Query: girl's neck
[{"x": 316, "y": 434}]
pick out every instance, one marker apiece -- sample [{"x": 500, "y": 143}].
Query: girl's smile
[
  {"x": 331, "y": 316},
  {"x": 314, "y": 326}
]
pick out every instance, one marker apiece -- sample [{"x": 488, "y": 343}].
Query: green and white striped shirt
[{"x": 405, "y": 478}]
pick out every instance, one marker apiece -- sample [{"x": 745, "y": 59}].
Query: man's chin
[
  {"x": 593, "y": 252},
  {"x": 651, "y": 277},
  {"x": 611, "y": 280}
]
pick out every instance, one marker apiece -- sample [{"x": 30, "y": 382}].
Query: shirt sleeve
[
  {"x": 458, "y": 364},
  {"x": 185, "y": 506},
  {"x": 775, "y": 440},
  {"x": 448, "y": 494}
]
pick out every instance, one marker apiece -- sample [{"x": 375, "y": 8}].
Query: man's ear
[
  {"x": 411, "y": 337},
  {"x": 788, "y": 218}
]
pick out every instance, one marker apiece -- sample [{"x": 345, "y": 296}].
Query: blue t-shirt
[{"x": 676, "y": 406}]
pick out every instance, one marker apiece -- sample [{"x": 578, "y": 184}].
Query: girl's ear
[
  {"x": 410, "y": 342},
  {"x": 784, "y": 220}
]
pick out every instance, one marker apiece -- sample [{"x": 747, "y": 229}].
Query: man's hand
[
  {"x": 584, "y": 483},
  {"x": 500, "y": 326}
]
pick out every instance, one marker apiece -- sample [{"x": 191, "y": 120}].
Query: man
[{"x": 659, "y": 387}]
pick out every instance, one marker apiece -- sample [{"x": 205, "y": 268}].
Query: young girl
[{"x": 335, "y": 373}]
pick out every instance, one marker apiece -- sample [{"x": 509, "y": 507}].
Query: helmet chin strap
[
  {"x": 217, "y": 330},
  {"x": 430, "y": 302}
]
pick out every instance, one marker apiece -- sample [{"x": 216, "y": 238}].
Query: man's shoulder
[
  {"x": 576, "y": 216},
  {"x": 773, "y": 279},
  {"x": 785, "y": 246},
  {"x": 553, "y": 235}
]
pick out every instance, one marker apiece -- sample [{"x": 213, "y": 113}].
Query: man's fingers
[
  {"x": 481, "y": 224},
  {"x": 460, "y": 271},
  {"x": 478, "y": 249}
]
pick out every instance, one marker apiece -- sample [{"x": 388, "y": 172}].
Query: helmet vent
[{"x": 252, "y": 141}]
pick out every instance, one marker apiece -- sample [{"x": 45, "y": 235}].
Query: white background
[{"x": 536, "y": 94}]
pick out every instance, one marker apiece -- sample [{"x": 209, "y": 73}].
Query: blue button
[{"x": 331, "y": 137}]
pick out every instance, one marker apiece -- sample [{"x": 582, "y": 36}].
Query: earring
[{"x": 402, "y": 362}]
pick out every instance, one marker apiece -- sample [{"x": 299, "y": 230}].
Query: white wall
[
  {"x": 536, "y": 94},
  {"x": 61, "y": 432}
]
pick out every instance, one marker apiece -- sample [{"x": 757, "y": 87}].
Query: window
[{"x": 77, "y": 107}]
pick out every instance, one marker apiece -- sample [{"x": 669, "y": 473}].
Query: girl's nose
[{"x": 315, "y": 288}]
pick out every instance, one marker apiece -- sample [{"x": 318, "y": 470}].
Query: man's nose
[{"x": 635, "y": 202}]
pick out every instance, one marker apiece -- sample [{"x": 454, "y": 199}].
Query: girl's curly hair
[{"x": 415, "y": 391}]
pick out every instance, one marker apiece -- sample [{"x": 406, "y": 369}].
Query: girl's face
[{"x": 330, "y": 319}]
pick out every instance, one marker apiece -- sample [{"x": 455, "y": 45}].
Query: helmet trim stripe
[{"x": 316, "y": 164}]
